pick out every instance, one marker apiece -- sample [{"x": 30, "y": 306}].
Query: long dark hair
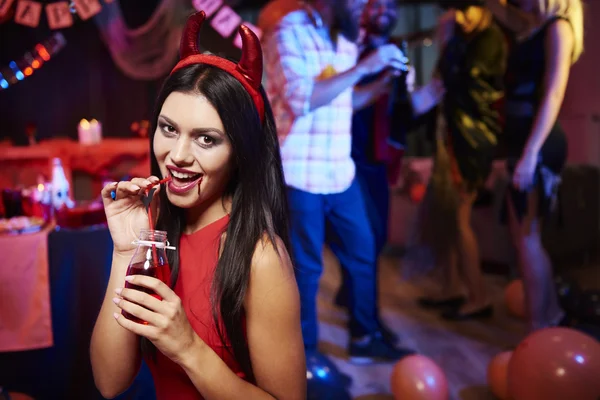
[{"x": 257, "y": 189}]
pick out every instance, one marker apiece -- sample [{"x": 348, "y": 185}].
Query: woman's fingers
[
  {"x": 141, "y": 182},
  {"x": 106, "y": 193},
  {"x": 126, "y": 189}
]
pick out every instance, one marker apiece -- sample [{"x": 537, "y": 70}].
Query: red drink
[
  {"x": 150, "y": 258},
  {"x": 146, "y": 268}
]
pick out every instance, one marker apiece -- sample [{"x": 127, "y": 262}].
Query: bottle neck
[{"x": 149, "y": 235}]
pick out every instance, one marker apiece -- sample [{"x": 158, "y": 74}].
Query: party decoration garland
[
  {"x": 31, "y": 61},
  {"x": 224, "y": 19},
  {"x": 59, "y": 14}
]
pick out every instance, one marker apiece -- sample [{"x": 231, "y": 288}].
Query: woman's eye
[
  {"x": 206, "y": 140},
  {"x": 168, "y": 129}
]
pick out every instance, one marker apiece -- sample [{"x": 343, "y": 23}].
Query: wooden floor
[{"x": 462, "y": 349}]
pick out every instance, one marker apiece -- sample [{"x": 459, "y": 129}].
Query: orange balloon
[
  {"x": 514, "y": 297},
  {"x": 417, "y": 377},
  {"x": 273, "y": 12},
  {"x": 555, "y": 364},
  {"x": 497, "y": 375}
]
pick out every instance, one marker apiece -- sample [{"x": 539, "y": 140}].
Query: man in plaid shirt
[{"x": 311, "y": 67}]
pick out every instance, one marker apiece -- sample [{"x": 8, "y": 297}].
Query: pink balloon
[
  {"x": 555, "y": 363},
  {"x": 417, "y": 377}
]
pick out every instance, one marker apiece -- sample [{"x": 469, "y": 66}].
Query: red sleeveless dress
[{"x": 199, "y": 254}]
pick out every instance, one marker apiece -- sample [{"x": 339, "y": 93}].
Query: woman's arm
[
  {"x": 274, "y": 337},
  {"x": 559, "y": 48},
  {"x": 427, "y": 97},
  {"x": 114, "y": 351}
]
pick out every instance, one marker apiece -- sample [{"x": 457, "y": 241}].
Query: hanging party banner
[
  {"x": 224, "y": 19},
  {"x": 58, "y": 14}
]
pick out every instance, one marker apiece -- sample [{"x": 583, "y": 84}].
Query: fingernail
[
  {"x": 118, "y": 290},
  {"x": 116, "y": 300},
  {"x": 135, "y": 187},
  {"x": 129, "y": 278},
  {"x": 116, "y": 315}
]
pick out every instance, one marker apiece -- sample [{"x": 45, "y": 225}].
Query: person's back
[
  {"x": 472, "y": 70},
  {"x": 524, "y": 92}
]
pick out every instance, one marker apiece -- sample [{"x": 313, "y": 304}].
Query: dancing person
[
  {"x": 312, "y": 68},
  {"x": 377, "y": 157},
  {"x": 469, "y": 85},
  {"x": 538, "y": 71},
  {"x": 229, "y": 324}
]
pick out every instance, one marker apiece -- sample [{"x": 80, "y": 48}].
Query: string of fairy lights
[
  {"x": 19, "y": 69},
  {"x": 225, "y": 21}
]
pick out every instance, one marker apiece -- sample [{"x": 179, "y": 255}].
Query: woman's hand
[
  {"x": 126, "y": 213},
  {"x": 524, "y": 171},
  {"x": 168, "y": 327}
]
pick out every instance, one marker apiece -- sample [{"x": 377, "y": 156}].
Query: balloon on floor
[
  {"x": 555, "y": 363},
  {"x": 514, "y": 297},
  {"x": 497, "y": 375},
  {"x": 417, "y": 377}
]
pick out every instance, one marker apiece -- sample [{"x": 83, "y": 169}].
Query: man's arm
[
  {"x": 286, "y": 68},
  {"x": 365, "y": 95}
]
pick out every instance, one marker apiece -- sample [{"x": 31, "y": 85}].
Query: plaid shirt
[{"x": 315, "y": 145}]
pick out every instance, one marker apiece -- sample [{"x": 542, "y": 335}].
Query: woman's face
[
  {"x": 469, "y": 18},
  {"x": 192, "y": 148}
]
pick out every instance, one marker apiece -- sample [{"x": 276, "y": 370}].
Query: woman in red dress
[{"x": 228, "y": 326}]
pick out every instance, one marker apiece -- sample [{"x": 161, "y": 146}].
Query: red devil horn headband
[{"x": 248, "y": 71}]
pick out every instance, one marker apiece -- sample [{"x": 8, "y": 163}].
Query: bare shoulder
[
  {"x": 271, "y": 254},
  {"x": 559, "y": 39},
  {"x": 271, "y": 263},
  {"x": 560, "y": 30}
]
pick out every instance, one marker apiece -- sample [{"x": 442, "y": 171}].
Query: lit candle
[
  {"x": 96, "y": 131},
  {"x": 83, "y": 131}
]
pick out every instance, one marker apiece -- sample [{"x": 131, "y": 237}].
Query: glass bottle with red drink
[{"x": 149, "y": 259}]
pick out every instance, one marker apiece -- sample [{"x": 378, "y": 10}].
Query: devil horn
[
  {"x": 189, "y": 39},
  {"x": 251, "y": 63}
]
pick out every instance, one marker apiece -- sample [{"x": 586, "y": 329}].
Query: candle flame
[
  {"x": 84, "y": 123},
  {"x": 93, "y": 122},
  {"x": 40, "y": 187}
]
